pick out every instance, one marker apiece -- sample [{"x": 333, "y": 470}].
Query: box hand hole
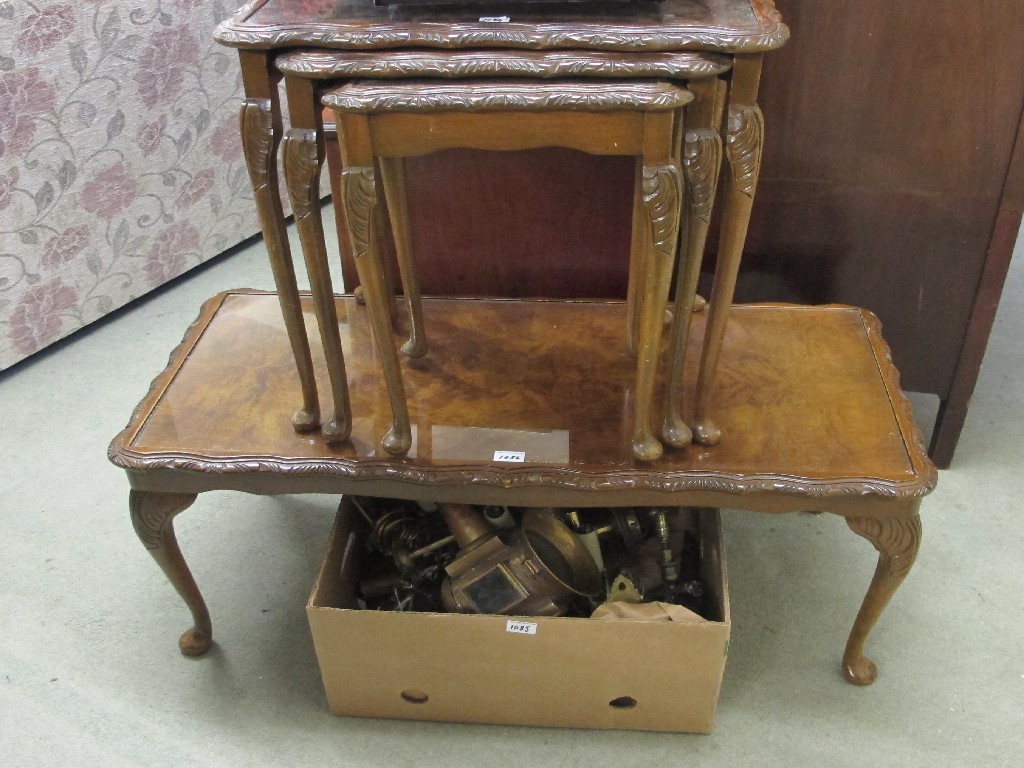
[
  {"x": 414, "y": 696},
  {"x": 622, "y": 702}
]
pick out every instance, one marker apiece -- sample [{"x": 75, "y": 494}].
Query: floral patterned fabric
[{"x": 120, "y": 162}]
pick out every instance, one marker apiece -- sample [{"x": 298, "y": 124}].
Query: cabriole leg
[
  {"x": 358, "y": 186},
  {"x": 152, "y": 516},
  {"x": 392, "y": 171},
  {"x": 637, "y": 268},
  {"x": 259, "y": 142},
  {"x": 744, "y": 145},
  {"x": 702, "y": 161},
  {"x": 897, "y": 541},
  {"x": 662, "y": 197},
  {"x": 302, "y": 164}
]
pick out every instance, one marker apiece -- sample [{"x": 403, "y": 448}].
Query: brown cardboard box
[{"x": 580, "y": 673}]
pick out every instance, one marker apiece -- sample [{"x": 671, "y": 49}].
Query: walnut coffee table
[{"x": 809, "y": 396}]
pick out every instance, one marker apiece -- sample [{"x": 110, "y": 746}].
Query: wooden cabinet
[
  {"x": 890, "y": 180},
  {"x": 893, "y": 179}
]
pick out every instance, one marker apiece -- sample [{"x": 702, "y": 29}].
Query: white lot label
[
  {"x": 515, "y": 456},
  {"x": 521, "y": 627},
  {"x": 495, "y": 19}
]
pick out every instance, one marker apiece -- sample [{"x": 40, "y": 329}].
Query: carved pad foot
[
  {"x": 397, "y": 443},
  {"x": 305, "y": 420},
  {"x": 649, "y": 449},
  {"x": 706, "y": 433},
  {"x": 675, "y": 432},
  {"x": 194, "y": 642},
  {"x": 336, "y": 432},
  {"x": 415, "y": 347},
  {"x": 861, "y": 671}
]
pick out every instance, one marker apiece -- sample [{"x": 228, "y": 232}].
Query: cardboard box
[{"x": 571, "y": 672}]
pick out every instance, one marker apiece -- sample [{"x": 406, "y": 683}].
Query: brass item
[
  {"x": 499, "y": 517},
  {"x": 542, "y": 569},
  {"x": 414, "y": 548},
  {"x": 627, "y": 525},
  {"x": 668, "y": 562}
]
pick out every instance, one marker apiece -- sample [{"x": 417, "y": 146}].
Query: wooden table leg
[
  {"x": 358, "y": 186},
  {"x": 303, "y": 150},
  {"x": 359, "y": 201},
  {"x": 637, "y": 268},
  {"x": 662, "y": 197},
  {"x": 261, "y": 128},
  {"x": 392, "y": 174},
  {"x": 152, "y": 516},
  {"x": 702, "y": 161},
  {"x": 382, "y": 229},
  {"x": 744, "y": 144},
  {"x": 897, "y": 541}
]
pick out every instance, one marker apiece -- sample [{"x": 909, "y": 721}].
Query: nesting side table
[{"x": 741, "y": 30}]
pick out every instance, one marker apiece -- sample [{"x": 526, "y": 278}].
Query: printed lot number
[
  {"x": 517, "y": 457},
  {"x": 521, "y": 627}
]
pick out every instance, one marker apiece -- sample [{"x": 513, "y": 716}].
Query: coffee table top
[
  {"x": 732, "y": 26},
  {"x": 807, "y": 398}
]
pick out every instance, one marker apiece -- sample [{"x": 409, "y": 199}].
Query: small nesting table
[{"x": 381, "y": 122}]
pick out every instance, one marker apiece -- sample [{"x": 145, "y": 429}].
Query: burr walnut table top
[
  {"x": 733, "y": 26},
  {"x": 808, "y": 397}
]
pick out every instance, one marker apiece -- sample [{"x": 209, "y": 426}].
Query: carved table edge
[
  {"x": 769, "y": 33},
  {"x": 917, "y": 450},
  {"x": 456, "y": 64},
  {"x": 393, "y": 470},
  {"x": 417, "y": 96},
  {"x": 121, "y": 454},
  {"x": 174, "y": 362}
]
